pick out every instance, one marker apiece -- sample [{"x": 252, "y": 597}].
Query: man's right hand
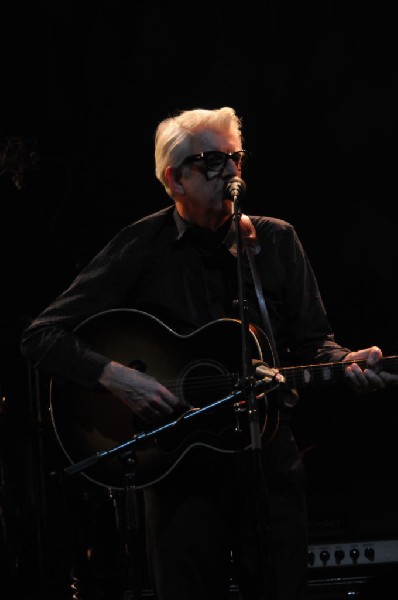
[{"x": 144, "y": 395}]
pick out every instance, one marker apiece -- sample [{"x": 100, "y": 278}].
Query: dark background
[{"x": 83, "y": 87}]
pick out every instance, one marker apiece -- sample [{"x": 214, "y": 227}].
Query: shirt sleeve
[
  {"x": 300, "y": 322},
  {"x": 51, "y": 342}
]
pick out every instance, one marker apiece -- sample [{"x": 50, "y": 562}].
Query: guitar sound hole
[{"x": 204, "y": 382}]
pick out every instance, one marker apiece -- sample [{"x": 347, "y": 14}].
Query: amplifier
[
  {"x": 360, "y": 570},
  {"x": 353, "y": 553}
]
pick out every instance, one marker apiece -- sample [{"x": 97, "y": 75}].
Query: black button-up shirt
[{"x": 186, "y": 277}]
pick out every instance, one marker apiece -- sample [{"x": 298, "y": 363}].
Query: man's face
[{"x": 205, "y": 174}]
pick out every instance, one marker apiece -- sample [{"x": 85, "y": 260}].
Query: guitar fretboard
[{"x": 329, "y": 373}]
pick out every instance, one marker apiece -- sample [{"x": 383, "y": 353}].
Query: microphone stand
[
  {"x": 260, "y": 491},
  {"x": 247, "y": 376}
]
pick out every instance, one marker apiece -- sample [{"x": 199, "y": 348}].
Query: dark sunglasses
[{"x": 215, "y": 161}]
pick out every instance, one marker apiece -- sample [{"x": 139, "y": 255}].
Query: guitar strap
[
  {"x": 252, "y": 247},
  {"x": 262, "y": 305},
  {"x": 287, "y": 398}
]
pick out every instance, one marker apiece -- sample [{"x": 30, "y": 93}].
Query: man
[{"x": 179, "y": 266}]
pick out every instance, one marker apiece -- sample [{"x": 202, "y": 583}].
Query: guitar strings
[
  {"x": 295, "y": 376},
  {"x": 213, "y": 382}
]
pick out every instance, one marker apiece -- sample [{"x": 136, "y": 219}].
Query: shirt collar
[
  {"x": 183, "y": 227},
  {"x": 229, "y": 240}
]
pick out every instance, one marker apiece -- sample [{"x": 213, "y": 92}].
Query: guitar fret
[{"x": 311, "y": 375}]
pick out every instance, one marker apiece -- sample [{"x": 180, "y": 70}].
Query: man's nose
[{"x": 231, "y": 167}]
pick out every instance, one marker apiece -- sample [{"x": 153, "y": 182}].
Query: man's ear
[{"x": 173, "y": 178}]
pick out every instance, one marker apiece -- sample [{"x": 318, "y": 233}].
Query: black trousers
[{"x": 218, "y": 518}]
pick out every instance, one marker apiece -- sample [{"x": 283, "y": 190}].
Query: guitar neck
[{"x": 329, "y": 373}]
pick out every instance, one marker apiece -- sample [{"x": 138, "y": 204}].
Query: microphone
[{"x": 235, "y": 188}]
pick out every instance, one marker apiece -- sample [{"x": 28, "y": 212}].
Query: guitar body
[{"x": 202, "y": 367}]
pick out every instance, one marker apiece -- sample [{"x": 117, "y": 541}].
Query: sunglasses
[{"x": 215, "y": 161}]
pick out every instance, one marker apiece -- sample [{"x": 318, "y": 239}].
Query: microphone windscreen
[{"x": 235, "y": 188}]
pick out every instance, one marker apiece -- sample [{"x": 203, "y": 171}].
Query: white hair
[{"x": 174, "y": 135}]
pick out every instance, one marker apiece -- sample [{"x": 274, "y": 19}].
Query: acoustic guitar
[{"x": 102, "y": 438}]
